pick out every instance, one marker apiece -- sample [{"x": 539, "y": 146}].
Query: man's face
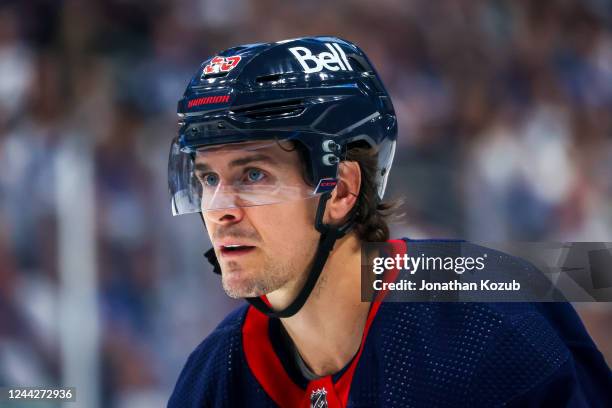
[{"x": 257, "y": 216}]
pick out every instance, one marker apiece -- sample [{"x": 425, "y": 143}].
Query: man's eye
[
  {"x": 254, "y": 175},
  {"x": 209, "y": 179}
]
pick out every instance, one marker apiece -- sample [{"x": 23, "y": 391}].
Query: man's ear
[{"x": 344, "y": 196}]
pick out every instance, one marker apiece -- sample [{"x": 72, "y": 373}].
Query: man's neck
[{"x": 327, "y": 330}]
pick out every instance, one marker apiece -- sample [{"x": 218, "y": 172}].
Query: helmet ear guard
[{"x": 320, "y": 92}]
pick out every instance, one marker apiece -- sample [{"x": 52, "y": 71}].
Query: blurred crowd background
[{"x": 505, "y": 134}]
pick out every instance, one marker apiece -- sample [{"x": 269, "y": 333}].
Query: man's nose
[{"x": 225, "y": 216}]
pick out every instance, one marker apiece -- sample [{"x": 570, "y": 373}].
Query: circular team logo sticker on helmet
[{"x": 219, "y": 65}]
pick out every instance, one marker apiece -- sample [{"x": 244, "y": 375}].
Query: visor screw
[
  {"x": 330, "y": 160},
  {"x": 383, "y": 172},
  {"x": 220, "y": 125},
  {"x": 330, "y": 146}
]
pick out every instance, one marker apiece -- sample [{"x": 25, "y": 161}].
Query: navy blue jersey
[{"x": 411, "y": 355}]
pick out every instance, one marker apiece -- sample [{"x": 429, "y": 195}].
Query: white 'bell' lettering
[{"x": 334, "y": 60}]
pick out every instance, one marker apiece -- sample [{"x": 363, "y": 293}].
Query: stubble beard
[
  {"x": 274, "y": 274},
  {"x": 270, "y": 277}
]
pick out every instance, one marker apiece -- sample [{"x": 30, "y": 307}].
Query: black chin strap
[{"x": 329, "y": 236}]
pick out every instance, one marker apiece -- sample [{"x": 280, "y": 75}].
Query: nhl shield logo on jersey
[{"x": 318, "y": 398}]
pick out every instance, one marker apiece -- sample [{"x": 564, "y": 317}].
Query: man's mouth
[{"x": 236, "y": 249}]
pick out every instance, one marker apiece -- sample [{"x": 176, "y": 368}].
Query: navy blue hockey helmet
[
  {"x": 322, "y": 92},
  {"x": 319, "y": 92}
]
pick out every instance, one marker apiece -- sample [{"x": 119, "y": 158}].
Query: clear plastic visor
[{"x": 236, "y": 175}]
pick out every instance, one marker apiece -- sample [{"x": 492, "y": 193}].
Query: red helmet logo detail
[{"x": 221, "y": 64}]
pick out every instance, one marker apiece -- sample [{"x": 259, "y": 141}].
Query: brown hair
[{"x": 370, "y": 215}]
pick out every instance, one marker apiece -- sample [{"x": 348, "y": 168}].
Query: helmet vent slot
[
  {"x": 359, "y": 64},
  {"x": 215, "y": 75},
  {"x": 264, "y": 79},
  {"x": 272, "y": 110}
]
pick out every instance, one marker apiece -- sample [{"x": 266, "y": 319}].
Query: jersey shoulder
[
  {"x": 513, "y": 351},
  {"x": 488, "y": 354},
  {"x": 210, "y": 368}
]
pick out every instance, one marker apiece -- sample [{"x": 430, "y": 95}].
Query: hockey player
[{"x": 284, "y": 148}]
